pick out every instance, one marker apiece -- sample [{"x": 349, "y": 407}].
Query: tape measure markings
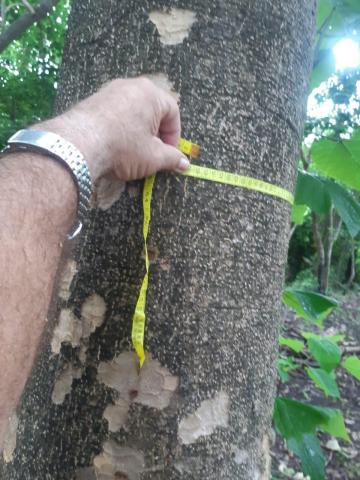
[
  {"x": 203, "y": 173},
  {"x": 138, "y": 321}
]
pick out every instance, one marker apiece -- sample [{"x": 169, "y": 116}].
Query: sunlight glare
[{"x": 347, "y": 54}]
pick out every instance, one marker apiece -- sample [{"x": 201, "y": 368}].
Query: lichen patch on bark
[
  {"x": 173, "y": 25},
  {"x": 108, "y": 191},
  {"x": 10, "y": 439},
  {"x": 68, "y": 330},
  {"x": 240, "y": 456},
  {"x": 66, "y": 278},
  {"x": 266, "y": 463},
  {"x": 87, "y": 473},
  {"x": 63, "y": 384},
  {"x": 118, "y": 462},
  {"x": 116, "y": 415},
  {"x": 162, "y": 81},
  {"x": 153, "y": 386},
  {"x": 92, "y": 314},
  {"x": 211, "y": 414}
]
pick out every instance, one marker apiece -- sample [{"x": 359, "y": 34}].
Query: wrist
[{"x": 77, "y": 128}]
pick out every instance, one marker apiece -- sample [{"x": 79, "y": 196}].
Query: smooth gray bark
[{"x": 218, "y": 256}]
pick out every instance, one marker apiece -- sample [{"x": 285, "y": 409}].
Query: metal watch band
[{"x": 50, "y": 144}]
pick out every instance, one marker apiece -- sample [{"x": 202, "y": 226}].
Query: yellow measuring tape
[{"x": 203, "y": 173}]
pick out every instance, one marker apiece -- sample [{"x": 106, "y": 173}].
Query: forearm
[
  {"x": 130, "y": 128},
  {"x": 38, "y": 202}
]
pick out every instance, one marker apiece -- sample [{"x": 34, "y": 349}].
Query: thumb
[{"x": 169, "y": 158}]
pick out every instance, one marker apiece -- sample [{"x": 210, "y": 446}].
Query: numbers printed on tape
[
  {"x": 227, "y": 178},
  {"x": 202, "y": 173}
]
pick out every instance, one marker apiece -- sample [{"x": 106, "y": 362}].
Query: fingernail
[{"x": 183, "y": 164}]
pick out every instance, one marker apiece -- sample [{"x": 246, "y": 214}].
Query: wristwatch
[{"x": 54, "y": 146}]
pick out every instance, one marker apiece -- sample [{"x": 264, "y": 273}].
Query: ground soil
[{"x": 343, "y": 464}]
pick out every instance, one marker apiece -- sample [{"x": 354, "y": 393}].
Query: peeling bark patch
[
  {"x": 108, "y": 191},
  {"x": 68, "y": 330},
  {"x": 117, "y": 462},
  {"x": 154, "y": 385},
  {"x": 116, "y": 415},
  {"x": 63, "y": 384},
  {"x": 265, "y": 450},
  {"x": 240, "y": 456},
  {"x": 173, "y": 25},
  {"x": 66, "y": 278},
  {"x": 162, "y": 81},
  {"x": 211, "y": 414},
  {"x": 86, "y": 473},
  {"x": 93, "y": 314},
  {"x": 10, "y": 439}
]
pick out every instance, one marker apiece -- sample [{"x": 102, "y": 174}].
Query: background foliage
[{"x": 29, "y": 68}]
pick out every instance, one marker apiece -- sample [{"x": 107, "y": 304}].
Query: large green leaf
[
  {"x": 308, "y": 449},
  {"x": 298, "y": 422},
  {"x": 352, "y": 365},
  {"x": 298, "y": 213},
  {"x": 324, "y": 380},
  {"x": 332, "y": 338},
  {"x": 311, "y": 306},
  {"x": 334, "y": 425},
  {"x": 311, "y": 191},
  {"x": 293, "y": 418},
  {"x": 346, "y": 205},
  {"x": 338, "y": 160},
  {"x": 353, "y": 145},
  {"x": 325, "y": 352},
  {"x": 324, "y": 9},
  {"x": 292, "y": 343}
]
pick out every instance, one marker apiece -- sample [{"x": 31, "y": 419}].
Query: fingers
[
  {"x": 167, "y": 157},
  {"x": 170, "y": 125}
]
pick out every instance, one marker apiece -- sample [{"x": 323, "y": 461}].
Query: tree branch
[
  {"x": 352, "y": 265},
  {"x": 28, "y": 6},
  {"x": 17, "y": 28}
]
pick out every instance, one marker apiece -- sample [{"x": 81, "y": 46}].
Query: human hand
[{"x": 129, "y": 127}]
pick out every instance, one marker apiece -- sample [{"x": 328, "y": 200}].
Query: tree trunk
[{"x": 202, "y": 405}]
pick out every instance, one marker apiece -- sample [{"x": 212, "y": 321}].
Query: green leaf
[
  {"x": 334, "y": 425},
  {"x": 293, "y": 418},
  {"x": 308, "y": 449},
  {"x": 324, "y": 380},
  {"x": 285, "y": 365},
  {"x": 311, "y": 306},
  {"x": 324, "y": 9},
  {"x": 332, "y": 338},
  {"x": 353, "y": 144},
  {"x": 311, "y": 191},
  {"x": 298, "y": 422},
  {"x": 292, "y": 343},
  {"x": 298, "y": 213},
  {"x": 338, "y": 160},
  {"x": 346, "y": 205},
  {"x": 352, "y": 365},
  {"x": 325, "y": 352}
]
